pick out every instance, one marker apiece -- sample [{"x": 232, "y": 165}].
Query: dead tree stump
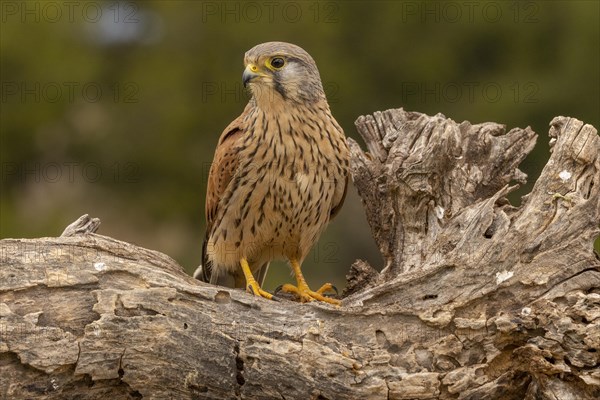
[{"x": 478, "y": 299}]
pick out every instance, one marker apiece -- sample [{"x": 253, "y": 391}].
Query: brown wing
[
  {"x": 336, "y": 209},
  {"x": 222, "y": 169}
]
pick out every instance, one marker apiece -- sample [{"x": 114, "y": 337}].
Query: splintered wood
[{"x": 478, "y": 299}]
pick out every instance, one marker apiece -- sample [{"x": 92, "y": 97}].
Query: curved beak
[{"x": 250, "y": 73}]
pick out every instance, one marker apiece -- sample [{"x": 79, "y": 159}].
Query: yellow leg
[
  {"x": 251, "y": 285},
  {"x": 304, "y": 291}
]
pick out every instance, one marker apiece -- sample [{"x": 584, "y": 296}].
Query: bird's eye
[{"x": 277, "y": 62}]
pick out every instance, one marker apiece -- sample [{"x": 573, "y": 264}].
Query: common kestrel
[{"x": 279, "y": 174}]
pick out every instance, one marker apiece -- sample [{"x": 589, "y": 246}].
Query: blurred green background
[{"x": 114, "y": 108}]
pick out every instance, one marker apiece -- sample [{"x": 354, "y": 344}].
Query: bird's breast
[{"x": 290, "y": 172}]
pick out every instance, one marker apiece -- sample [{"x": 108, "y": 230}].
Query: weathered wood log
[{"x": 478, "y": 299}]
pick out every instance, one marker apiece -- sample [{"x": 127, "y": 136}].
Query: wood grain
[{"x": 479, "y": 299}]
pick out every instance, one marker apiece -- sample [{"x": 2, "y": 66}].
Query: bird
[{"x": 279, "y": 175}]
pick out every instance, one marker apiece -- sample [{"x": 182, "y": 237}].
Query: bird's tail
[
  {"x": 198, "y": 273},
  {"x": 204, "y": 270},
  {"x": 207, "y": 272}
]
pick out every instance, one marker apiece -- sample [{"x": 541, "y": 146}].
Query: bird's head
[{"x": 278, "y": 69}]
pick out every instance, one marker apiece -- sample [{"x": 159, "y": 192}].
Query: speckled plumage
[{"x": 279, "y": 172}]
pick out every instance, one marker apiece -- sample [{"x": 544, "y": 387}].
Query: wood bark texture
[{"x": 478, "y": 299}]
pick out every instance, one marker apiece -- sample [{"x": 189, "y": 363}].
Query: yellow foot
[
  {"x": 255, "y": 289},
  {"x": 251, "y": 285},
  {"x": 306, "y": 294}
]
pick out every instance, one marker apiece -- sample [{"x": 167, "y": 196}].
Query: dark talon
[
  {"x": 278, "y": 289},
  {"x": 251, "y": 290},
  {"x": 336, "y": 290},
  {"x": 275, "y": 298}
]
